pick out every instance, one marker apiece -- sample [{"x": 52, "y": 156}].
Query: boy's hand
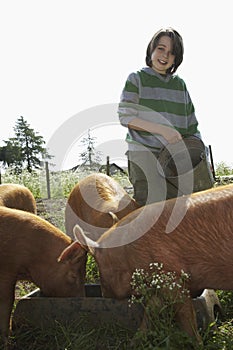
[{"x": 171, "y": 135}]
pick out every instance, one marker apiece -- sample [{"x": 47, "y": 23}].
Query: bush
[{"x": 159, "y": 293}]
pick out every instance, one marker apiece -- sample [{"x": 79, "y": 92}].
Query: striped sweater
[{"x": 165, "y": 100}]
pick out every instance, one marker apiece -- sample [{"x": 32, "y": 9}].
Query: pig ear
[
  {"x": 84, "y": 240},
  {"x": 74, "y": 250},
  {"x": 114, "y": 217}
]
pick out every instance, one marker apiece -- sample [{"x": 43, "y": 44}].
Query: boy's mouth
[{"x": 162, "y": 62}]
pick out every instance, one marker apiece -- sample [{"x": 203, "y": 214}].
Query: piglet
[
  {"x": 29, "y": 250},
  {"x": 197, "y": 240},
  {"x": 17, "y": 197},
  {"x": 96, "y": 203}
]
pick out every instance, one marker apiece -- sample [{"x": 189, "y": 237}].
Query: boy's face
[{"x": 162, "y": 57}]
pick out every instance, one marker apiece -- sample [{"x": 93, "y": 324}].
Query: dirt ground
[{"x": 52, "y": 210}]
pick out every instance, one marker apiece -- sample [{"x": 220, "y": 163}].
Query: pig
[
  {"x": 96, "y": 203},
  {"x": 29, "y": 250},
  {"x": 17, "y": 197},
  {"x": 200, "y": 244}
]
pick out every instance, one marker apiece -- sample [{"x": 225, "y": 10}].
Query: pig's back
[{"x": 24, "y": 234}]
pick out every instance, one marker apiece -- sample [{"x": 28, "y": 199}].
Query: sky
[{"x": 64, "y": 64}]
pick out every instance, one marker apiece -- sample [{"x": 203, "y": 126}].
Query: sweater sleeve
[
  {"x": 127, "y": 108},
  {"x": 192, "y": 127}
]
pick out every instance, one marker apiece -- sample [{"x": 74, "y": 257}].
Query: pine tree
[
  {"x": 25, "y": 150},
  {"x": 90, "y": 156}
]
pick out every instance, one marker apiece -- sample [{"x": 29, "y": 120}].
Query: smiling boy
[{"x": 157, "y": 109}]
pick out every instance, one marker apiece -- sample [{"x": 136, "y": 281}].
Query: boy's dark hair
[{"x": 178, "y": 48}]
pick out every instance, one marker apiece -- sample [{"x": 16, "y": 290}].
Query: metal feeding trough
[
  {"x": 35, "y": 310},
  {"x": 38, "y": 311}
]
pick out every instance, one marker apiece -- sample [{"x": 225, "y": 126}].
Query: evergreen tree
[
  {"x": 11, "y": 155},
  {"x": 90, "y": 156},
  {"x": 25, "y": 150}
]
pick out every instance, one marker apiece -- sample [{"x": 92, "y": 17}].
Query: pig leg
[
  {"x": 6, "y": 304},
  {"x": 154, "y": 304},
  {"x": 186, "y": 318}
]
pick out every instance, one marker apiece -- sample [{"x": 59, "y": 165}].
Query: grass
[{"x": 72, "y": 336}]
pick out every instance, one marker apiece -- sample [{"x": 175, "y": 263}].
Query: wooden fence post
[
  {"x": 47, "y": 179},
  {"x": 108, "y": 166}
]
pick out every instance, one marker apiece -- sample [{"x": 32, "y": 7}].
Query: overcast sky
[{"x": 64, "y": 64}]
